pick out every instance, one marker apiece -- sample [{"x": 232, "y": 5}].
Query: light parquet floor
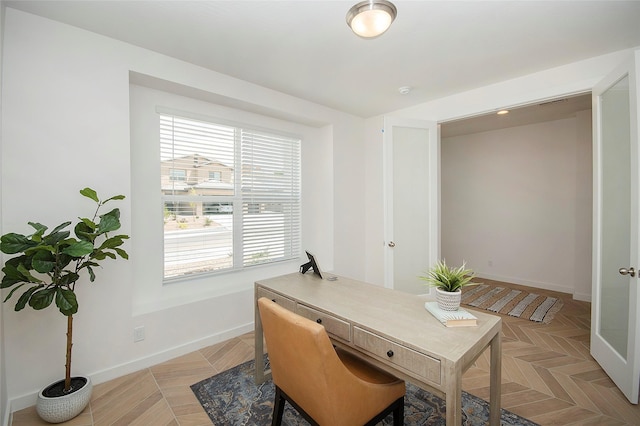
[{"x": 548, "y": 377}]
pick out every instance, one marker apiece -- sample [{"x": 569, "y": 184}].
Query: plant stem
[{"x": 67, "y": 375}]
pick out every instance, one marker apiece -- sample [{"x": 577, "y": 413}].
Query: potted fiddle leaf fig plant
[
  {"x": 46, "y": 269},
  {"x": 448, "y": 281}
]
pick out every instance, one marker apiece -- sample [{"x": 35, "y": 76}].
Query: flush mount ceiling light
[{"x": 371, "y": 18}]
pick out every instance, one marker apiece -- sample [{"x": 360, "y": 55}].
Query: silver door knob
[
  {"x": 392, "y": 244},
  {"x": 625, "y": 271}
]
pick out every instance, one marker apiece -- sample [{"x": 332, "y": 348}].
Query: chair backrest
[{"x": 304, "y": 363}]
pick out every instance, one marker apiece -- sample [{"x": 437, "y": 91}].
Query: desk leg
[
  {"x": 495, "y": 381},
  {"x": 453, "y": 398},
  {"x": 259, "y": 346}
]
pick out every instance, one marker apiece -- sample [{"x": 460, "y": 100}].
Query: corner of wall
[
  {"x": 374, "y": 204},
  {"x": 5, "y": 412}
]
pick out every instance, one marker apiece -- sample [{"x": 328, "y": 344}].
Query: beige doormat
[{"x": 515, "y": 303}]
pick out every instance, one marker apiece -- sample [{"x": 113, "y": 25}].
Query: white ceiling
[{"x": 304, "y": 48}]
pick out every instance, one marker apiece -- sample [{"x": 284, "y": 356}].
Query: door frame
[{"x": 434, "y": 190}]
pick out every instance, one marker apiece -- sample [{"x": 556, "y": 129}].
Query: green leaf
[
  {"x": 68, "y": 278},
  {"x": 115, "y": 197},
  {"x": 56, "y": 237},
  {"x": 88, "y": 223},
  {"x": 102, "y": 255},
  {"x": 79, "y": 249},
  {"x": 90, "y": 193},
  {"x": 109, "y": 222},
  {"x": 26, "y": 296},
  {"x": 8, "y": 281},
  {"x": 63, "y": 260},
  {"x": 112, "y": 242},
  {"x": 60, "y": 227},
  {"x": 42, "y": 298},
  {"x": 11, "y": 292},
  {"x": 43, "y": 261},
  {"x": 448, "y": 278},
  {"x": 31, "y": 252},
  {"x": 92, "y": 275},
  {"x": 85, "y": 230},
  {"x": 27, "y": 277},
  {"x": 11, "y": 272},
  {"x": 123, "y": 254},
  {"x": 66, "y": 301},
  {"x": 88, "y": 263},
  {"x": 12, "y": 243},
  {"x": 40, "y": 230}
]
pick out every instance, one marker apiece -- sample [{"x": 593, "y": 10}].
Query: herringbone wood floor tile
[
  {"x": 548, "y": 377},
  {"x": 548, "y": 373}
]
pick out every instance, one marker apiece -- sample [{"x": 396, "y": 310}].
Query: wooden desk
[{"x": 391, "y": 330}]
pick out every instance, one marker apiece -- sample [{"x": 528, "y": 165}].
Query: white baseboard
[
  {"x": 584, "y": 297},
  {"x": 8, "y": 416},
  {"x": 132, "y": 366}
]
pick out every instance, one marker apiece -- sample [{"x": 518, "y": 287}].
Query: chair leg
[
  {"x": 396, "y": 408},
  {"x": 398, "y": 413},
  {"x": 278, "y": 408}
]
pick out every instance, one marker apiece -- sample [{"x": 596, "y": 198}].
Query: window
[
  {"x": 176, "y": 174},
  {"x": 231, "y": 196}
]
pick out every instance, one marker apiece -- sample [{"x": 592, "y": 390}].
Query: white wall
[
  {"x": 513, "y": 204},
  {"x": 349, "y": 188},
  {"x": 66, "y": 114},
  {"x": 374, "y": 216},
  {"x": 584, "y": 218},
  {"x": 4, "y": 411},
  {"x": 578, "y": 77}
]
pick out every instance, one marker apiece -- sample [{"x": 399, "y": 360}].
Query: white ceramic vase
[
  {"x": 59, "y": 409},
  {"x": 448, "y": 300}
]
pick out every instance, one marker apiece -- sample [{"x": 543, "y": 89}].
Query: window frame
[{"x": 238, "y": 200}]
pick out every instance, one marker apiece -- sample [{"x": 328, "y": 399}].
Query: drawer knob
[
  {"x": 389, "y": 353},
  {"x": 319, "y": 320}
]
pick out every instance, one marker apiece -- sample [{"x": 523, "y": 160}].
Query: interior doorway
[{"x": 517, "y": 195}]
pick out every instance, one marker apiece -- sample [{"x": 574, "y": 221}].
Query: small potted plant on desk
[
  {"x": 48, "y": 266},
  {"x": 448, "y": 282}
]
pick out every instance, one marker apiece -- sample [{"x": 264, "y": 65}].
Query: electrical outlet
[{"x": 138, "y": 334}]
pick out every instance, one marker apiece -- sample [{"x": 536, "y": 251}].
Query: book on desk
[{"x": 459, "y": 318}]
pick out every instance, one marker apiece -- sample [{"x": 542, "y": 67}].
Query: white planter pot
[
  {"x": 58, "y": 409},
  {"x": 447, "y": 300}
]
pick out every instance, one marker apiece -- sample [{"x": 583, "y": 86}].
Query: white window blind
[
  {"x": 270, "y": 187},
  {"x": 237, "y": 203}
]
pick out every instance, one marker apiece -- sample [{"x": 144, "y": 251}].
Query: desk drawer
[
  {"x": 280, "y": 300},
  {"x": 415, "y": 362},
  {"x": 333, "y": 325}
]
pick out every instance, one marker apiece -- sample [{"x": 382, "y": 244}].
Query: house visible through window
[{"x": 231, "y": 196}]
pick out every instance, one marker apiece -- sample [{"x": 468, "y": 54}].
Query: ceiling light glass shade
[{"x": 371, "y": 18}]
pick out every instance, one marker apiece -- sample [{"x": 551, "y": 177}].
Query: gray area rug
[
  {"x": 233, "y": 398},
  {"x": 515, "y": 303}
]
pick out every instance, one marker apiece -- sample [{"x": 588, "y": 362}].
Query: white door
[
  {"x": 411, "y": 176},
  {"x": 615, "y": 335}
]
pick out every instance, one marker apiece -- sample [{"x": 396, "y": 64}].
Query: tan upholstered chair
[{"x": 326, "y": 386}]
